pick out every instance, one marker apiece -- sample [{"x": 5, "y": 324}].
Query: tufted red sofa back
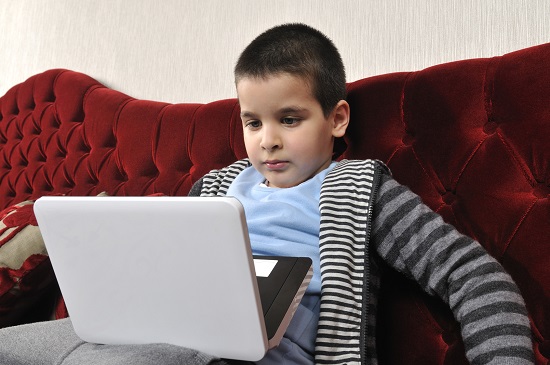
[
  {"x": 63, "y": 132},
  {"x": 470, "y": 137}
]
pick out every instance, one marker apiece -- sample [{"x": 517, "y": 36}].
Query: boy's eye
[
  {"x": 289, "y": 121},
  {"x": 253, "y": 124}
]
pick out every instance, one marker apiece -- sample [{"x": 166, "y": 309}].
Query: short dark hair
[{"x": 299, "y": 50}]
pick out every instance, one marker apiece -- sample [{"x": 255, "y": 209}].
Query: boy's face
[{"x": 287, "y": 137}]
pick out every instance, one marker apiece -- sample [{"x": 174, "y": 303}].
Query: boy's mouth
[{"x": 275, "y": 164}]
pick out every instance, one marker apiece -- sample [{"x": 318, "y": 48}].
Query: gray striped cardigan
[{"x": 362, "y": 208}]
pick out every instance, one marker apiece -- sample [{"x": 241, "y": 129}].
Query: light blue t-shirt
[{"x": 286, "y": 222}]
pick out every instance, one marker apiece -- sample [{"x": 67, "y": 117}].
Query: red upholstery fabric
[
  {"x": 26, "y": 275},
  {"x": 469, "y": 137}
]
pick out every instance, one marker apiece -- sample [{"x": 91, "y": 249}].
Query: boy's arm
[
  {"x": 483, "y": 297},
  {"x": 196, "y": 188}
]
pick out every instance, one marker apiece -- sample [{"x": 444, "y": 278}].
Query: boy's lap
[
  {"x": 37, "y": 343},
  {"x": 137, "y": 354},
  {"x": 55, "y": 343}
]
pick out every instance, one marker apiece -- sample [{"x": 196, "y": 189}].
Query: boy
[{"x": 291, "y": 88}]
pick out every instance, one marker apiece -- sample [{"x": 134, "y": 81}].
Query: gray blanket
[{"x": 55, "y": 343}]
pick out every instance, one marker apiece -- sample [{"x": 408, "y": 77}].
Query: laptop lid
[{"x": 176, "y": 270}]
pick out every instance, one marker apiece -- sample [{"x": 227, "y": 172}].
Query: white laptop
[{"x": 173, "y": 270}]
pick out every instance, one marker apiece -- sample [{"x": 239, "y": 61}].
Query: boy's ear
[{"x": 340, "y": 118}]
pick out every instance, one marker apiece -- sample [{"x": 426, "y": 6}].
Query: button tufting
[
  {"x": 490, "y": 127},
  {"x": 449, "y": 197},
  {"x": 407, "y": 140},
  {"x": 449, "y": 337},
  {"x": 541, "y": 191}
]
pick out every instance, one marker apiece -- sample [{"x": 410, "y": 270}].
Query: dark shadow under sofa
[{"x": 470, "y": 137}]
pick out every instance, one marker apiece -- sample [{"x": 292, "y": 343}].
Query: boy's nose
[{"x": 270, "y": 139}]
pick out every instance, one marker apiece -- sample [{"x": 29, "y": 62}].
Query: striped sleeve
[
  {"x": 483, "y": 297},
  {"x": 196, "y": 188},
  {"x": 217, "y": 182}
]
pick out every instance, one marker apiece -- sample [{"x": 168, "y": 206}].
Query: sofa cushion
[
  {"x": 25, "y": 271},
  {"x": 26, "y": 275}
]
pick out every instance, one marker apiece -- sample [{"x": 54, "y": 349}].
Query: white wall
[{"x": 184, "y": 51}]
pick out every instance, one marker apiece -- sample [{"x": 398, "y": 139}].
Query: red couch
[{"x": 471, "y": 137}]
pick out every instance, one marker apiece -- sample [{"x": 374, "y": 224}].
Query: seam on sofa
[
  {"x": 191, "y": 133},
  {"x": 415, "y": 155},
  {"x": 88, "y": 92},
  {"x": 118, "y": 112},
  {"x": 489, "y": 88},
  {"x": 116, "y": 118},
  {"x": 467, "y": 162},
  {"x": 401, "y": 114},
  {"x": 515, "y": 157},
  {"x": 497, "y": 61},
  {"x": 402, "y": 99},
  {"x": 156, "y": 134},
  {"x": 54, "y": 84},
  {"x": 32, "y": 93},
  {"x": 488, "y": 91},
  {"x": 516, "y": 229},
  {"x": 179, "y": 183}
]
